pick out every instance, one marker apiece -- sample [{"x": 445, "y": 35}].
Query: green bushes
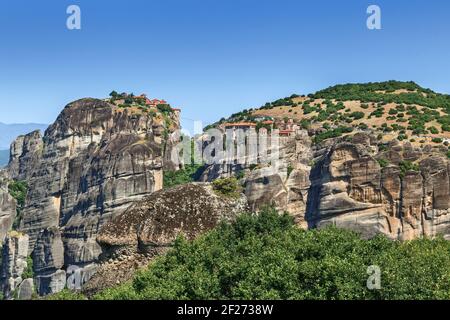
[
  {"x": 164, "y": 108},
  {"x": 267, "y": 257},
  {"x": 372, "y": 92},
  {"x": 393, "y": 111},
  {"x": 18, "y": 190},
  {"x": 227, "y": 186},
  {"x": 383, "y": 163},
  {"x": 28, "y": 273},
  {"x": 280, "y": 102},
  {"x": 357, "y": 115},
  {"x": 433, "y": 130},
  {"x": 407, "y": 166},
  {"x": 185, "y": 175}
]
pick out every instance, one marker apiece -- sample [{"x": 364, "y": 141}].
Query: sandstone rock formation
[
  {"x": 283, "y": 184},
  {"x": 95, "y": 213},
  {"x": 91, "y": 164},
  {"x": 7, "y": 211},
  {"x": 341, "y": 182},
  {"x": 14, "y": 263}
]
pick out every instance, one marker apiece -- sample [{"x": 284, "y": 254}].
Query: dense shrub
[
  {"x": 18, "y": 190},
  {"x": 372, "y": 92},
  {"x": 227, "y": 186},
  {"x": 331, "y": 134},
  {"x": 164, "y": 108},
  {"x": 174, "y": 178}
]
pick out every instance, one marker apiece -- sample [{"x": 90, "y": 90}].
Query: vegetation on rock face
[
  {"x": 189, "y": 173},
  {"x": 18, "y": 190},
  {"x": 28, "y": 272},
  {"x": 183, "y": 176},
  {"x": 268, "y": 257},
  {"x": 382, "y": 92},
  {"x": 333, "y": 133},
  {"x": 66, "y": 295},
  {"x": 383, "y": 162},
  {"x": 408, "y": 166},
  {"x": 227, "y": 186}
]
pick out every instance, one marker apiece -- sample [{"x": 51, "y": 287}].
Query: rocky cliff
[
  {"x": 94, "y": 209},
  {"x": 355, "y": 182},
  {"x": 90, "y": 165},
  {"x": 408, "y": 197}
]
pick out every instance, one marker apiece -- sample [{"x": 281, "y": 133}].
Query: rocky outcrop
[
  {"x": 341, "y": 182},
  {"x": 283, "y": 184},
  {"x": 151, "y": 226},
  {"x": 91, "y": 165},
  {"x": 351, "y": 190},
  {"x": 26, "y": 290},
  {"x": 25, "y": 153}
]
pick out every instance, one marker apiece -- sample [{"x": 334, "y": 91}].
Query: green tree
[{"x": 266, "y": 256}]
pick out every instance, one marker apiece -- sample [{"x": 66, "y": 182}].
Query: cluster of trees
[
  {"x": 381, "y": 92},
  {"x": 280, "y": 102},
  {"x": 188, "y": 174},
  {"x": 331, "y": 133},
  {"x": 266, "y": 256},
  {"x": 229, "y": 187},
  {"x": 18, "y": 190}
]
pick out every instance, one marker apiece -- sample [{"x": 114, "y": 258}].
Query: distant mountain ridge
[
  {"x": 4, "y": 158},
  {"x": 8, "y": 132}
]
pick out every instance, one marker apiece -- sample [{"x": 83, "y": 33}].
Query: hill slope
[{"x": 393, "y": 109}]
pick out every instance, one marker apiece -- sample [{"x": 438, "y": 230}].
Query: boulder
[{"x": 25, "y": 290}]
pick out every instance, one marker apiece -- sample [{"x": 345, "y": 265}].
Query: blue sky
[{"x": 211, "y": 57}]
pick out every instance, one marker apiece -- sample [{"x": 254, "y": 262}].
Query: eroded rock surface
[{"x": 14, "y": 262}]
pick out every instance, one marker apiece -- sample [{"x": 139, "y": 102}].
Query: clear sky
[{"x": 211, "y": 57}]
